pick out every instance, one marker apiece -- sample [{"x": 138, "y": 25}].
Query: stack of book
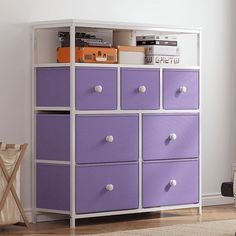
[
  {"x": 82, "y": 40},
  {"x": 159, "y": 49}
]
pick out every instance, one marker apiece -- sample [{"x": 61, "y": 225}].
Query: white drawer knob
[
  {"x": 142, "y": 89},
  {"x": 98, "y": 88},
  {"x": 173, "y": 136},
  {"x": 182, "y": 89},
  {"x": 173, "y": 183},
  {"x": 109, "y": 187},
  {"x": 109, "y": 138}
]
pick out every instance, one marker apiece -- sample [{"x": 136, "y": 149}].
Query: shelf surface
[
  {"x": 94, "y": 112},
  {"x": 51, "y": 108},
  {"x": 52, "y": 65},
  {"x": 115, "y": 65}
]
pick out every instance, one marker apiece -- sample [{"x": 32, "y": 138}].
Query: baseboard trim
[
  {"x": 213, "y": 199},
  {"x": 29, "y": 215},
  {"x": 210, "y": 199},
  {"x": 43, "y": 216}
]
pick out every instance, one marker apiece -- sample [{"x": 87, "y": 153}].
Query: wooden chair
[{"x": 10, "y": 178}]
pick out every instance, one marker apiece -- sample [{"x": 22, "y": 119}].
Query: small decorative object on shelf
[{"x": 88, "y": 55}]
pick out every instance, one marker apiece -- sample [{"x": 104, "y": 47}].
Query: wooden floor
[{"x": 125, "y": 222}]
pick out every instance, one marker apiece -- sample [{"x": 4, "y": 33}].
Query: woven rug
[{"x": 212, "y": 228}]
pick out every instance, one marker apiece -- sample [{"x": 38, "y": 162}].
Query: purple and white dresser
[{"x": 115, "y": 139}]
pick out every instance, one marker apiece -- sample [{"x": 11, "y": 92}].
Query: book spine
[
  {"x": 154, "y": 50},
  {"x": 157, "y": 42},
  {"x": 90, "y": 39},
  {"x": 156, "y": 37}
]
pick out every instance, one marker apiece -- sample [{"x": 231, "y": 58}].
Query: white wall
[
  {"x": 216, "y": 17},
  {"x": 15, "y": 118}
]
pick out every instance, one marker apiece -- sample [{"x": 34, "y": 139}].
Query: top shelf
[
  {"x": 116, "y": 26},
  {"x": 46, "y": 42}
]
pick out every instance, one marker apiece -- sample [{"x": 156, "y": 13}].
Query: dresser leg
[
  {"x": 72, "y": 222},
  {"x": 200, "y": 210},
  {"x": 34, "y": 217}
]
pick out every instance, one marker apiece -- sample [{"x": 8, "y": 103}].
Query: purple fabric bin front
[
  {"x": 91, "y": 134},
  {"x": 53, "y": 187},
  {"x": 53, "y": 137},
  {"x": 87, "y": 97},
  {"x": 172, "y": 136},
  {"x": 140, "y": 88},
  {"x": 53, "y": 87},
  {"x": 170, "y": 183},
  {"x": 93, "y": 194},
  {"x": 181, "y": 89}
]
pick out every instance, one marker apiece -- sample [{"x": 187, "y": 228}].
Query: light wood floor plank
[{"x": 125, "y": 222}]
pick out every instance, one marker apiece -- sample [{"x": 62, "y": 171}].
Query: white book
[
  {"x": 151, "y": 50},
  {"x": 156, "y": 37}
]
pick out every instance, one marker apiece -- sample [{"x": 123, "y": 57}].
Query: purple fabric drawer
[
  {"x": 53, "y": 87},
  {"x": 158, "y": 131},
  {"x": 91, "y": 184},
  {"x": 91, "y": 134},
  {"x": 161, "y": 193},
  {"x": 173, "y": 81},
  {"x": 86, "y": 81},
  {"x": 132, "y": 80},
  {"x": 53, "y": 187},
  {"x": 53, "y": 137}
]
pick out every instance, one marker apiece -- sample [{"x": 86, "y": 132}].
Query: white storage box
[
  {"x": 131, "y": 55},
  {"x": 155, "y": 50}
]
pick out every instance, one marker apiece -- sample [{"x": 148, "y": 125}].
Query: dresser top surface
[{"x": 116, "y": 26}]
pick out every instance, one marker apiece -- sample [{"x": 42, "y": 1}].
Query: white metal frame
[
  {"x": 200, "y": 120},
  {"x": 72, "y": 125},
  {"x": 72, "y": 24}
]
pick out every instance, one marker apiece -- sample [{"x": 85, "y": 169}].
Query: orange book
[{"x": 88, "y": 55}]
